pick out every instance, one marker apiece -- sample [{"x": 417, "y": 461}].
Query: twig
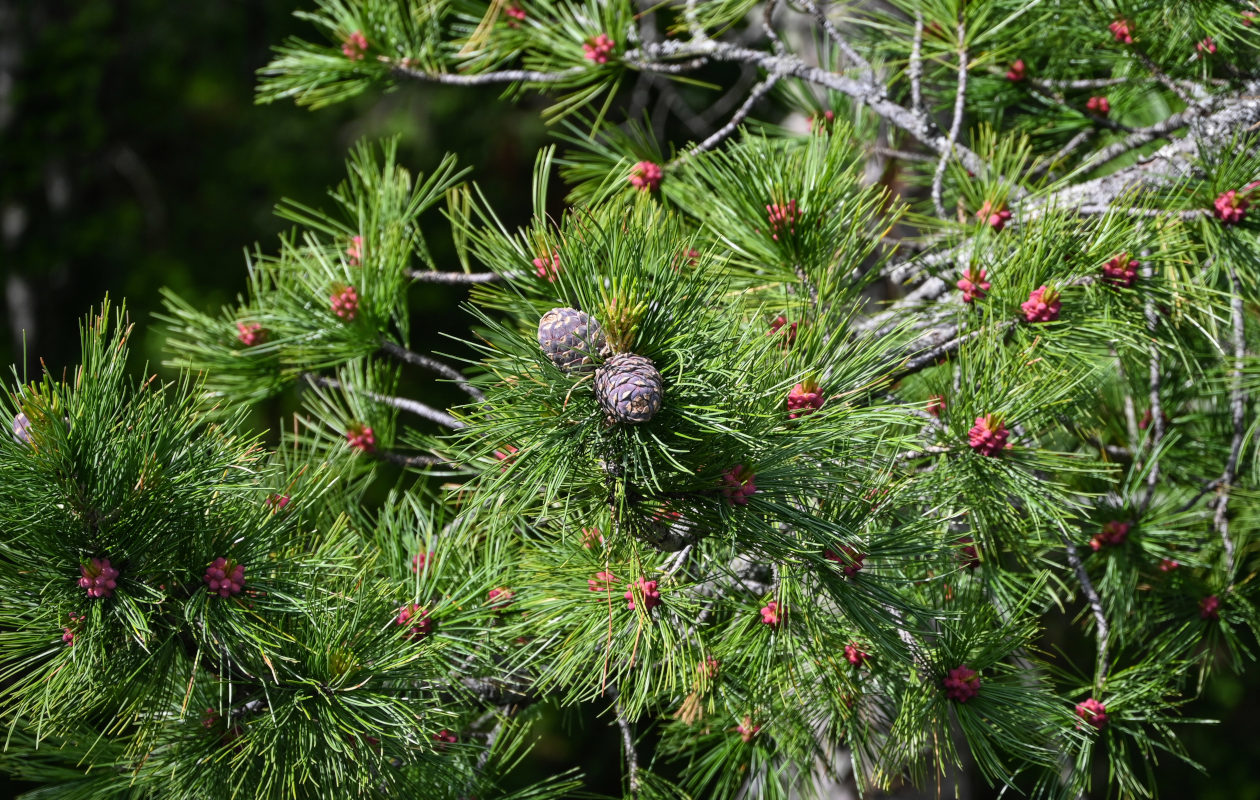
[
  {"x": 627, "y": 743},
  {"x": 1238, "y": 408},
  {"x": 402, "y": 403},
  {"x": 1066, "y": 150},
  {"x": 408, "y": 461},
  {"x": 1186, "y": 214},
  {"x": 1050, "y": 84},
  {"x": 1157, "y": 410},
  {"x": 890, "y": 152},
  {"x": 767, "y": 19},
  {"x": 960, "y": 97},
  {"x": 1159, "y": 130},
  {"x": 1087, "y": 586},
  {"x": 437, "y": 276},
  {"x": 1207, "y": 487},
  {"x": 486, "y": 78},
  {"x": 433, "y": 365},
  {"x": 916, "y": 67},
  {"x": 930, "y": 357},
  {"x": 837, "y": 38},
  {"x": 759, "y": 91}
]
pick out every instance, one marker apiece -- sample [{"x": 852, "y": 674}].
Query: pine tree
[{"x": 787, "y": 536}]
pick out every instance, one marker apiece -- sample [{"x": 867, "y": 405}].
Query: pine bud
[
  {"x": 415, "y": 616},
  {"x": 602, "y": 581},
  {"x": 251, "y": 333},
  {"x": 777, "y": 325},
  {"x": 345, "y": 303},
  {"x": 988, "y": 436},
  {"x": 1042, "y": 305},
  {"x": 647, "y": 590},
  {"x": 995, "y": 218},
  {"x": 646, "y": 176},
  {"x": 361, "y": 437},
  {"x": 805, "y": 398},
  {"x": 629, "y": 388},
  {"x": 598, "y": 49},
  {"x": 1016, "y": 72},
  {"x": 547, "y": 267},
  {"x": 1113, "y": 534},
  {"x": 855, "y": 655},
  {"x": 1098, "y": 105},
  {"x": 1122, "y": 29},
  {"x": 355, "y": 46},
  {"x": 782, "y": 218},
  {"x": 973, "y": 284},
  {"x": 1121, "y": 271},
  {"x": 572, "y": 339},
  {"x": 1093, "y": 712},
  {"x": 850, "y": 560},
  {"x": 500, "y": 598},
  {"x": 354, "y": 253},
  {"x": 225, "y": 577},
  {"x": 1209, "y": 607},
  {"x": 1231, "y": 207},
  {"x": 747, "y": 730},
  {"x": 962, "y": 683},
  {"x": 99, "y": 578},
  {"x": 738, "y": 484},
  {"x": 1206, "y": 47},
  {"x": 770, "y": 614}
]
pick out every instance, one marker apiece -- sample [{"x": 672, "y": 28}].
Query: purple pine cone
[
  {"x": 629, "y": 388},
  {"x": 22, "y": 428},
  {"x": 572, "y": 339}
]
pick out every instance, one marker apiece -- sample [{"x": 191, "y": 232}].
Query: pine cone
[
  {"x": 572, "y": 339},
  {"x": 629, "y": 388}
]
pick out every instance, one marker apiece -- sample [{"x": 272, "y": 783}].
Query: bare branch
[
  {"x": 960, "y": 96},
  {"x": 487, "y": 78},
  {"x": 837, "y": 38},
  {"x": 627, "y": 743},
  {"x": 1156, "y": 408},
  {"x": 767, "y": 19},
  {"x": 759, "y": 91},
  {"x": 1238, "y": 408},
  {"x": 402, "y": 403},
  {"x": 433, "y": 365},
  {"x": 436, "y": 276},
  {"x": 1159, "y": 130},
  {"x": 916, "y": 67},
  {"x": 1095, "y": 604}
]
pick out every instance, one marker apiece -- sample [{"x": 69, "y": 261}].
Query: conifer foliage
[{"x": 787, "y": 539}]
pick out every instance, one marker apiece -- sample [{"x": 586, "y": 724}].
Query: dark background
[{"x": 133, "y": 157}]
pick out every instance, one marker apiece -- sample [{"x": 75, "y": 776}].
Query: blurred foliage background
[{"x": 132, "y": 156}]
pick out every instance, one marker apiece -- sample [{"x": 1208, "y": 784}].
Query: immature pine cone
[
  {"x": 629, "y": 388},
  {"x": 572, "y": 339}
]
